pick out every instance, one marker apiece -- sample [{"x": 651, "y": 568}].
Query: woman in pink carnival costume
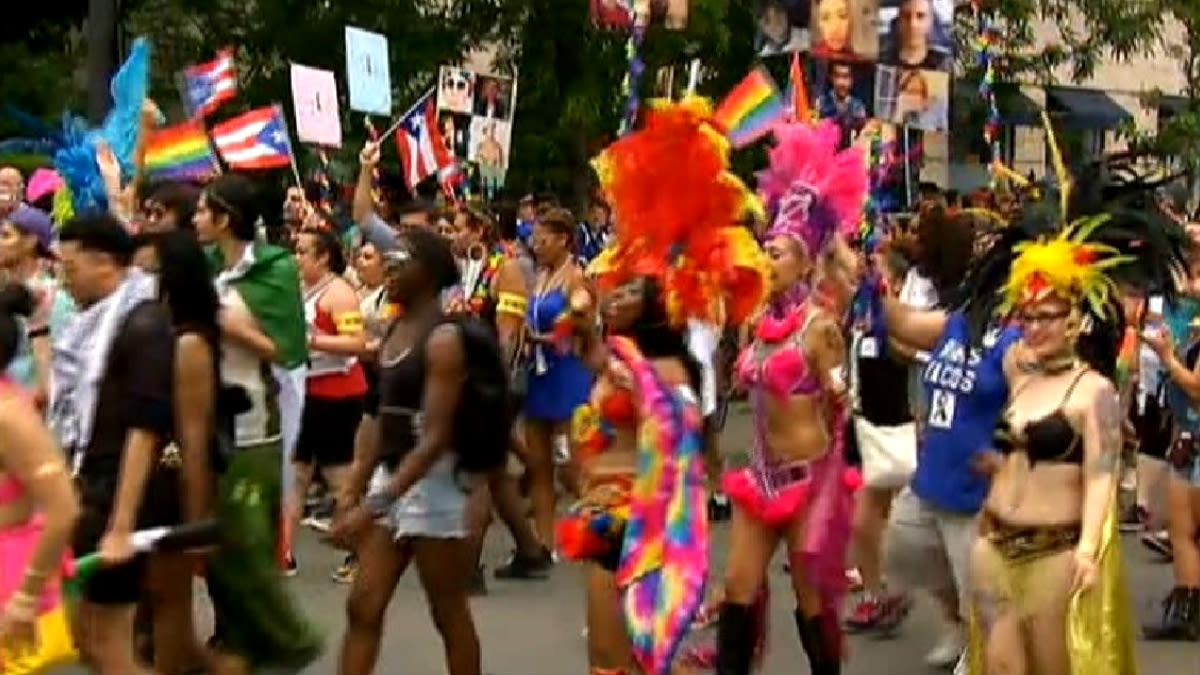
[{"x": 796, "y": 488}]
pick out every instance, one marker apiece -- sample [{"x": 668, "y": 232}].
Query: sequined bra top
[{"x": 776, "y": 360}]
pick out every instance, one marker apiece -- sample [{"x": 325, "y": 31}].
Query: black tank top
[{"x": 401, "y": 388}]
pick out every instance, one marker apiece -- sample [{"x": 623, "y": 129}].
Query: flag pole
[
  {"x": 693, "y": 77},
  {"x": 400, "y": 120},
  {"x": 291, "y": 148}
]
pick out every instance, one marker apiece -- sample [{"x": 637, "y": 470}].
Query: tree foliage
[
  {"x": 1178, "y": 135},
  {"x": 569, "y": 72},
  {"x": 571, "y": 102}
]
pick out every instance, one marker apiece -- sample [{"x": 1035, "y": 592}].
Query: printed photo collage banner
[
  {"x": 475, "y": 117},
  {"x": 886, "y": 59}
]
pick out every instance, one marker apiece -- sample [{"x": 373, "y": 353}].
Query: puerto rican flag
[
  {"x": 254, "y": 140},
  {"x": 423, "y": 152},
  {"x": 207, "y": 85}
]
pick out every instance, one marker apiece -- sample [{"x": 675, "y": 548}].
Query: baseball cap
[{"x": 37, "y": 222}]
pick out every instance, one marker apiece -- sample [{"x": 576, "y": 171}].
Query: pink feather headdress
[{"x": 811, "y": 189}]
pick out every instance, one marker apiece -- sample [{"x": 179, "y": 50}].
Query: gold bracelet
[
  {"x": 22, "y": 605},
  {"x": 35, "y": 574}
]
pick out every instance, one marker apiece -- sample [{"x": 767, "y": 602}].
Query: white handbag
[{"x": 889, "y": 454}]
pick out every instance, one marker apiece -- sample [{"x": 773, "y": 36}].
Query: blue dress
[{"x": 558, "y": 382}]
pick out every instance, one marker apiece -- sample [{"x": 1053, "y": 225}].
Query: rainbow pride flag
[
  {"x": 749, "y": 111},
  {"x": 180, "y": 152}
]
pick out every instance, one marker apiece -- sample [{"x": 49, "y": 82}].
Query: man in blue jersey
[{"x": 933, "y": 522}]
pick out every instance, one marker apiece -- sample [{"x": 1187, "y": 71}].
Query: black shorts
[
  {"x": 1153, "y": 427},
  {"x": 117, "y": 584},
  {"x": 327, "y": 430}
]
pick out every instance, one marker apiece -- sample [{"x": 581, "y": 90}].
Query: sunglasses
[{"x": 397, "y": 258}]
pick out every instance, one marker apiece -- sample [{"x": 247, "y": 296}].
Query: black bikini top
[{"x": 1049, "y": 439}]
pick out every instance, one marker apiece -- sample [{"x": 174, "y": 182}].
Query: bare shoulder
[
  {"x": 193, "y": 355},
  {"x": 444, "y": 347},
  {"x": 18, "y": 419},
  {"x": 1097, "y": 396},
  {"x": 824, "y": 332},
  {"x": 192, "y": 345},
  {"x": 340, "y": 294}
]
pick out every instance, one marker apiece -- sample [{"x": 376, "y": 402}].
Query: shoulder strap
[{"x": 1071, "y": 388}]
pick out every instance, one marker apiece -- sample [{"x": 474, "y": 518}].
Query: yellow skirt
[
  {"x": 55, "y": 647},
  {"x": 1100, "y": 637}
]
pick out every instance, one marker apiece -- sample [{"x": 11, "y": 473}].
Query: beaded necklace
[{"x": 483, "y": 288}]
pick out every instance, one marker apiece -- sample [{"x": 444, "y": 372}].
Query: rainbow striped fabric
[
  {"x": 750, "y": 110},
  {"x": 664, "y": 558},
  {"x": 180, "y": 152}
]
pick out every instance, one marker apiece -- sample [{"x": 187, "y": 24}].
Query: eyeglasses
[{"x": 1035, "y": 318}]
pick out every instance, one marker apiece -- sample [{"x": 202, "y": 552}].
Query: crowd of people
[{"x": 958, "y": 403}]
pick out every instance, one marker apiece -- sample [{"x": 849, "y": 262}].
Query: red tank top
[{"x": 353, "y": 382}]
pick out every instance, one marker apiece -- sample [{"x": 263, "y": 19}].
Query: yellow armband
[
  {"x": 348, "y": 323},
  {"x": 512, "y": 303}
]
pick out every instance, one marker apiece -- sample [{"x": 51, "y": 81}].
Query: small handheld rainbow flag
[
  {"x": 749, "y": 111},
  {"x": 180, "y": 152}
]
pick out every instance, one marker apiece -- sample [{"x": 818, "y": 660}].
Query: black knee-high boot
[
  {"x": 823, "y": 656},
  {"x": 736, "y": 632}
]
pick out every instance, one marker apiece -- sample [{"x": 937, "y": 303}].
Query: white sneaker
[
  {"x": 947, "y": 650},
  {"x": 960, "y": 668}
]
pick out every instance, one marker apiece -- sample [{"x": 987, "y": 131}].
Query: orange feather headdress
[{"x": 676, "y": 208}]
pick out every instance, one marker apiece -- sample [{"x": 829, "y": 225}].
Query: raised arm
[{"x": 920, "y": 329}]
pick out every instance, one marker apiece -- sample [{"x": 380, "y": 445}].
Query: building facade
[{"x": 1086, "y": 116}]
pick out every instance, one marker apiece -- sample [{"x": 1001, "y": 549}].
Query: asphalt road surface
[{"x": 535, "y": 627}]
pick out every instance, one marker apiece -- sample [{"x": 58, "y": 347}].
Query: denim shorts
[{"x": 435, "y": 506}]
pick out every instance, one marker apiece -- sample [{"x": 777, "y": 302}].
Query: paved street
[{"x": 534, "y": 628}]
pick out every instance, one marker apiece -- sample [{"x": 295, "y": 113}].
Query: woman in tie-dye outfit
[{"x": 640, "y": 524}]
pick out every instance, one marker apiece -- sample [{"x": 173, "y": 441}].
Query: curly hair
[{"x": 944, "y": 247}]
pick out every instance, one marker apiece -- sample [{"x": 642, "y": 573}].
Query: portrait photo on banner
[
  {"x": 844, "y": 92},
  {"x": 456, "y": 131},
  {"x": 919, "y": 98},
  {"x": 493, "y": 97},
  {"x": 488, "y": 143},
  {"x": 845, "y": 30},
  {"x": 456, "y": 90},
  {"x": 917, "y": 34},
  {"x": 782, "y": 27}
]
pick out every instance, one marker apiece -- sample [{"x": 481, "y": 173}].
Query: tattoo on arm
[
  {"x": 1108, "y": 425},
  {"x": 831, "y": 338}
]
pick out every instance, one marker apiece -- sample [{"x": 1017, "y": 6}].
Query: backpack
[{"x": 483, "y": 420}]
